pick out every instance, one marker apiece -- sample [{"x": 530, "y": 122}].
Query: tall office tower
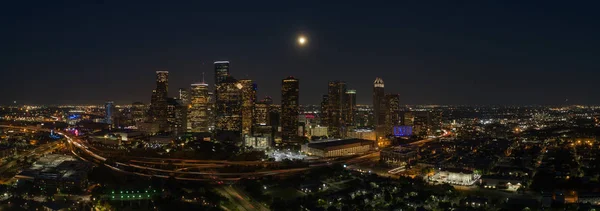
[
  {"x": 138, "y": 112},
  {"x": 392, "y": 115},
  {"x": 229, "y": 106},
  {"x": 176, "y": 116},
  {"x": 335, "y": 108},
  {"x": 109, "y": 110},
  {"x": 199, "y": 105},
  {"x": 350, "y": 106},
  {"x": 289, "y": 107},
  {"x": 379, "y": 107},
  {"x": 424, "y": 122},
  {"x": 436, "y": 122},
  {"x": 184, "y": 96},
  {"x": 324, "y": 115},
  {"x": 158, "y": 104},
  {"x": 248, "y": 100},
  {"x": 261, "y": 112},
  {"x": 421, "y": 121},
  {"x": 212, "y": 111},
  {"x": 221, "y": 71}
]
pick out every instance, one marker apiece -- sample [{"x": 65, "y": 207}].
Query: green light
[
  {"x": 121, "y": 191},
  {"x": 113, "y": 197},
  {"x": 148, "y": 195},
  {"x": 121, "y": 196},
  {"x": 146, "y": 191},
  {"x": 113, "y": 192},
  {"x": 140, "y": 196}
]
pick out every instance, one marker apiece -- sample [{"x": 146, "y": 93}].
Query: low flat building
[
  {"x": 337, "y": 148},
  {"x": 399, "y": 156},
  {"x": 56, "y": 172},
  {"x": 455, "y": 177}
]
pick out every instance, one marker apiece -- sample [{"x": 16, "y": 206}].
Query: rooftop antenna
[{"x": 203, "y": 77}]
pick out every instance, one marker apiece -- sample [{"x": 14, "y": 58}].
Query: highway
[
  {"x": 242, "y": 201},
  {"x": 194, "y": 170}
]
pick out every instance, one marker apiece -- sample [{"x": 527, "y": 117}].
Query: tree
[{"x": 102, "y": 205}]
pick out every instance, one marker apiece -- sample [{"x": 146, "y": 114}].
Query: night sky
[{"x": 439, "y": 52}]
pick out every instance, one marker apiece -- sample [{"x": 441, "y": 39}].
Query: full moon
[{"x": 301, "y": 40}]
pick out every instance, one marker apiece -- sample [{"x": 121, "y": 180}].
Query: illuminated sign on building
[{"x": 403, "y": 131}]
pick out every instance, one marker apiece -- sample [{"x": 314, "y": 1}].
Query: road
[
  {"x": 34, "y": 154},
  {"x": 239, "y": 198},
  {"x": 191, "y": 170}
]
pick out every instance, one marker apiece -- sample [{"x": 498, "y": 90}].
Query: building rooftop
[
  {"x": 335, "y": 144},
  {"x": 457, "y": 170}
]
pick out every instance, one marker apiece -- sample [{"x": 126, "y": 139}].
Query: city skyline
[
  {"x": 98, "y": 52},
  {"x": 286, "y": 106}
]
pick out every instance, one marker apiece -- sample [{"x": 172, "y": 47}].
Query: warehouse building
[{"x": 337, "y": 148}]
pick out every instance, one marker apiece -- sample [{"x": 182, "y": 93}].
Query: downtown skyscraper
[
  {"x": 221, "y": 71},
  {"x": 336, "y": 108},
  {"x": 350, "y": 107},
  {"x": 158, "y": 102},
  {"x": 289, "y": 107},
  {"x": 248, "y": 101},
  {"x": 392, "y": 112},
  {"x": 177, "y": 116},
  {"x": 229, "y": 106},
  {"x": 262, "y": 110},
  {"x": 379, "y": 111},
  {"x": 199, "y": 107}
]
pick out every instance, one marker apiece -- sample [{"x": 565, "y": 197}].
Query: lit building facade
[
  {"x": 229, "y": 105},
  {"x": 199, "y": 108},
  {"x": 455, "y": 177},
  {"x": 248, "y": 100},
  {"x": 290, "y": 90},
  {"x": 184, "y": 96},
  {"x": 138, "y": 112},
  {"x": 319, "y": 131},
  {"x": 338, "y": 148},
  {"x": 362, "y": 134},
  {"x": 257, "y": 142},
  {"x": 261, "y": 111}
]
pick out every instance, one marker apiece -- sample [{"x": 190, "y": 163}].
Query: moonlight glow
[{"x": 301, "y": 40}]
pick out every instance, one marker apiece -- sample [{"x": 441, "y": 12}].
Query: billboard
[{"x": 403, "y": 131}]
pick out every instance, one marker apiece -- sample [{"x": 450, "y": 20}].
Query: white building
[{"x": 455, "y": 177}]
